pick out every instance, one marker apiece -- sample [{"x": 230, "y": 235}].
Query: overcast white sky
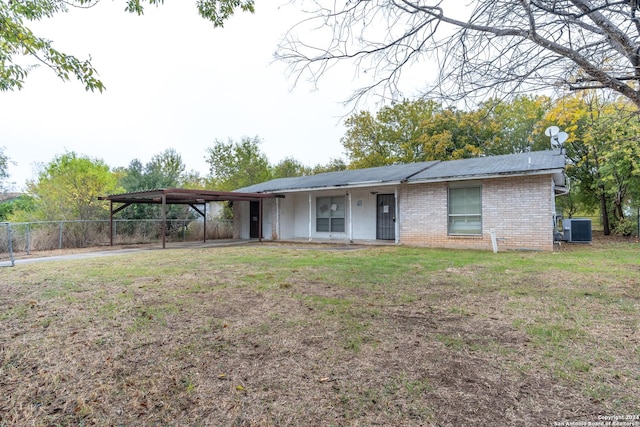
[{"x": 173, "y": 81}]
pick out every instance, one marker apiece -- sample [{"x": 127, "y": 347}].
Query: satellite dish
[
  {"x": 558, "y": 139},
  {"x": 552, "y": 131},
  {"x": 562, "y": 137}
]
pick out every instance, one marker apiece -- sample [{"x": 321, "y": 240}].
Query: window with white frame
[
  {"x": 465, "y": 210},
  {"x": 330, "y": 214}
]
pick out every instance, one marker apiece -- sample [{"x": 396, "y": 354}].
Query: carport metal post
[
  {"x": 110, "y": 222},
  {"x": 164, "y": 219}
]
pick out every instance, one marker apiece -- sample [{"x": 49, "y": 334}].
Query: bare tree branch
[{"x": 487, "y": 48}]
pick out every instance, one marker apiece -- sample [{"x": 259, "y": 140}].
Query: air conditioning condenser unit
[{"x": 577, "y": 230}]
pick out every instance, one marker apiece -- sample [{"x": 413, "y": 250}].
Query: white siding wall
[
  {"x": 242, "y": 219},
  {"x": 364, "y": 214},
  {"x": 268, "y": 218},
  {"x": 360, "y": 214}
]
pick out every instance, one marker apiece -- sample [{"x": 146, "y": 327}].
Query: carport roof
[{"x": 181, "y": 196}]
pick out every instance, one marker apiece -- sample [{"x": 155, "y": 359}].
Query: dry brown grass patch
[{"x": 283, "y": 337}]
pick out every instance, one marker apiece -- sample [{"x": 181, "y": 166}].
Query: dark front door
[
  {"x": 254, "y": 223},
  {"x": 386, "y": 217}
]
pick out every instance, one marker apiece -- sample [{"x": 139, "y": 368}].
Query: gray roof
[
  {"x": 534, "y": 162},
  {"x": 511, "y": 164},
  {"x": 359, "y": 177}
]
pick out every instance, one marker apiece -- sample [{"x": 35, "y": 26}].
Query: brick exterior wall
[{"x": 519, "y": 209}]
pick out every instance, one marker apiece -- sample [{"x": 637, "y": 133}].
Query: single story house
[{"x": 476, "y": 203}]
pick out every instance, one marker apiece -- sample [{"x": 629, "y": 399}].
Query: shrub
[{"x": 626, "y": 227}]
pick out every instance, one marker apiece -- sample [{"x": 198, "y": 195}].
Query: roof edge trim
[
  {"x": 551, "y": 171},
  {"x": 333, "y": 187}
]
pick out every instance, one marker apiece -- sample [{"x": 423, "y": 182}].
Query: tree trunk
[
  {"x": 618, "y": 203},
  {"x": 604, "y": 212}
]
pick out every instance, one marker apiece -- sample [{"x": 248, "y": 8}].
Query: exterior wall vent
[{"x": 576, "y": 230}]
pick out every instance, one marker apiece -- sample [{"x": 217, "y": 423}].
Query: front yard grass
[{"x": 274, "y": 335}]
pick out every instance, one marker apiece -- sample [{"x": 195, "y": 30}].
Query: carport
[{"x": 180, "y": 196}]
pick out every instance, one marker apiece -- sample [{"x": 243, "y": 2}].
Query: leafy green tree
[
  {"x": 68, "y": 188},
  {"x": 233, "y": 165},
  {"x": 362, "y": 142},
  {"x": 513, "y": 124},
  {"x": 414, "y": 131},
  {"x": 333, "y": 165},
  {"x": 131, "y": 178},
  {"x": 392, "y": 136},
  {"x": 455, "y": 134},
  {"x": 4, "y": 169},
  {"x": 18, "y": 209},
  {"x": 289, "y": 167},
  {"x": 193, "y": 180},
  {"x": 17, "y": 40},
  {"x": 621, "y": 168},
  {"x": 6, "y": 209},
  {"x": 495, "y": 127},
  {"x": 164, "y": 170},
  {"x": 604, "y": 149}
]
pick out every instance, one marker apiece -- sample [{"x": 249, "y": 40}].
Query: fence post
[
  {"x": 60, "y": 236},
  {"x": 10, "y": 245},
  {"x": 28, "y": 248}
]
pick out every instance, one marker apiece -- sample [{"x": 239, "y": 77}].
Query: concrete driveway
[{"x": 101, "y": 252}]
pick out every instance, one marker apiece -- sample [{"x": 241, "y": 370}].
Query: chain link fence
[
  {"x": 6, "y": 254},
  {"x": 24, "y": 237}
]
